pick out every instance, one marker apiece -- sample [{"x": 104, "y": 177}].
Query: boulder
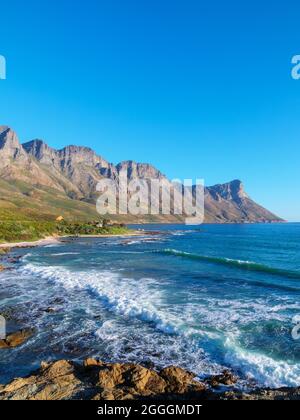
[
  {"x": 179, "y": 381},
  {"x": 16, "y": 339},
  {"x": 92, "y": 363},
  {"x": 56, "y": 381},
  {"x": 129, "y": 380},
  {"x": 226, "y": 378}
]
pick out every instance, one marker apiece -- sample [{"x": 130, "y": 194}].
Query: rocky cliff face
[
  {"x": 77, "y": 168},
  {"x": 231, "y": 191},
  {"x": 18, "y": 165},
  {"x": 10, "y": 147},
  {"x": 75, "y": 171},
  {"x": 139, "y": 170},
  {"x": 230, "y": 202}
]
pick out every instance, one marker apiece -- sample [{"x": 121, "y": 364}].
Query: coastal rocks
[
  {"x": 50, "y": 310},
  {"x": 53, "y": 306},
  {"x": 7, "y": 259},
  {"x": 57, "y": 301},
  {"x": 96, "y": 380},
  {"x": 90, "y": 363},
  {"x": 14, "y": 260},
  {"x": 101, "y": 381},
  {"x": 8, "y": 313},
  {"x": 56, "y": 381},
  {"x": 4, "y": 268},
  {"x": 180, "y": 381},
  {"x": 287, "y": 394},
  {"x": 16, "y": 339},
  {"x": 226, "y": 378},
  {"x": 127, "y": 381}
]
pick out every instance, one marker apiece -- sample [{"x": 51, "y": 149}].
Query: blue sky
[{"x": 197, "y": 88}]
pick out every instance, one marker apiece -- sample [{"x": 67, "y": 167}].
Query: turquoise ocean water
[{"x": 204, "y": 298}]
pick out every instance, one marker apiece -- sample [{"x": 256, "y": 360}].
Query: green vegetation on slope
[
  {"x": 19, "y": 231},
  {"x": 25, "y": 231},
  {"x": 90, "y": 228},
  {"x": 19, "y": 201}
]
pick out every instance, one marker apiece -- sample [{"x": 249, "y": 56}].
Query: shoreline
[
  {"x": 93, "y": 379},
  {"x": 41, "y": 242},
  {"x": 57, "y": 239}
]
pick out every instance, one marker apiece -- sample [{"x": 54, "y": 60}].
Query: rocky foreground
[{"x": 95, "y": 380}]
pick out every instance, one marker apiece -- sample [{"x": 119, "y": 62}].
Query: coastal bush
[
  {"x": 25, "y": 231},
  {"x": 19, "y": 231}
]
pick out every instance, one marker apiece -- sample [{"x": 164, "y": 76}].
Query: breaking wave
[{"x": 245, "y": 265}]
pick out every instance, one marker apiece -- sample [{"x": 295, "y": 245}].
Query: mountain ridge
[{"x": 73, "y": 172}]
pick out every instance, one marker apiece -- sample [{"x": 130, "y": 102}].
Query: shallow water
[{"x": 202, "y": 298}]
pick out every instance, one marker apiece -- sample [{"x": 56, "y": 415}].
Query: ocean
[{"x": 203, "y": 298}]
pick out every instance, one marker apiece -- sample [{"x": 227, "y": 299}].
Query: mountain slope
[
  {"x": 76, "y": 168},
  {"x": 39, "y": 181},
  {"x": 229, "y": 201},
  {"x": 16, "y": 164}
]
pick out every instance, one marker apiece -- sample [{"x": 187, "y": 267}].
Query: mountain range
[{"x": 37, "y": 181}]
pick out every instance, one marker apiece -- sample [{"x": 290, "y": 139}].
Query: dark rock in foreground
[
  {"x": 226, "y": 378},
  {"x": 95, "y": 380}
]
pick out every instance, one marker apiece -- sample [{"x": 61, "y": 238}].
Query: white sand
[{"x": 47, "y": 241}]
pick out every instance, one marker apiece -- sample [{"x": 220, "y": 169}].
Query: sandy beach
[
  {"x": 56, "y": 239},
  {"x": 41, "y": 242}
]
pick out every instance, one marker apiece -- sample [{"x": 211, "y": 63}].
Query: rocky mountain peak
[
  {"x": 80, "y": 154},
  {"x": 64, "y": 158},
  {"x": 233, "y": 190},
  {"x": 38, "y": 149},
  {"x": 3, "y": 129},
  {"x": 139, "y": 170},
  {"x": 8, "y": 137},
  {"x": 10, "y": 145}
]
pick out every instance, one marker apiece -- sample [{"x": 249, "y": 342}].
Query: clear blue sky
[{"x": 197, "y": 88}]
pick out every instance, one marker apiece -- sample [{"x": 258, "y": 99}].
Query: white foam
[
  {"x": 65, "y": 253},
  {"x": 241, "y": 262},
  {"x": 230, "y": 314},
  {"x": 144, "y": 299},
  {"x": 261, "y": 368},
  {"x": 108, "y": 331},
  {"x": 129, "y": 297},
  {"x": 26, "y": 256},
  {"x": 133, "y": 242}
]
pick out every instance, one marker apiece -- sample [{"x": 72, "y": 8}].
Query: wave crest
[{"x": 245, "y": 265}]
